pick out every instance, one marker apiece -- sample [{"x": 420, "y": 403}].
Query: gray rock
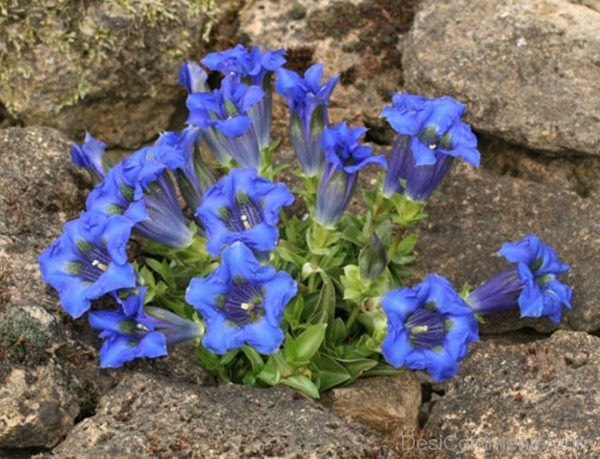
[
  {"x": 37, "y": 407},
  {"x": 539, "y": 399},
  {"x": 475, "y": 212},
  {"x": 150, "y": 416},
  {"x": 388, "y": 404},
  {"x": 528, "y": 71},
  {"x": 40, "y": 191},
  {"x": 108, "y": 67}
]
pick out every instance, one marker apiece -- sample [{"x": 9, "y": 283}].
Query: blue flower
[
  {"x": 224, "y": 117},
  {"x": 137, "y": 331},
  {"x": 193, "y": 177},
  {"x": 531, "y": 286},
  {"x": 88, "y": 261},
  {"x": 430, "y": 135},
  {"x": 307, "y": 99},
  {"x": 140, "y": 189},
  {"x": 345, "y": 158},
  {"x": 243, "y": 207},
  {"x": 252, "y": 67},
  {"x": 192, "y": 77},
  {"x": 90, "y": 155},
  {"x": 429, "y": 328},
  {"x": 242, "y": 302}
]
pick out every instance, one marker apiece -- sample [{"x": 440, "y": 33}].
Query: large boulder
[
  {"x": 475, "y": 212},
  {"x": 151, "y": 416},
  {"x": 528, "y": 71},
  {"x": 108, "y": 67},
  {"x": 539, "y": 399}
]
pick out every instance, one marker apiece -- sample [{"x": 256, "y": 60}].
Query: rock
[
  {"x": 37, "y": 407},
  {"x": 359, "y": 40},
  {"x": 388, "y": 404},
  {"x": 150, "y": 416},
  {"x": 528, "y": 71},
  {"x": 108, "y": 67},
  {"x": 475, "y": 212},
  {"x": 540, "y": 399},
  {"x": 40, "y": 191}
]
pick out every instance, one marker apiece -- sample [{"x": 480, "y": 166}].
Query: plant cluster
[{"x": 311, "y": 301}]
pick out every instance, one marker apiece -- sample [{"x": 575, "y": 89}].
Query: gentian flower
[
  {"x": 90, "y": 155},
  {"x": 224, "y": 117},
  {"x": 242, "y": 302},
  {"x": 193, "y": 177},
  {"x": 88, "y": 261},
  {"x": 429, "y": 328},
  {"x": 192, "y": 77},
  {"x": 345, "y": 158},
  {"x": 243, "y": 207},
  {"x": 137, "y": 331},
  {"x": 531, "y": 286},
  {"x": 140, "y": 188},
  {"x": 430, "y": 135},
  {"x": 308, "y": 100},
  {"x": 252, "y": 67}
]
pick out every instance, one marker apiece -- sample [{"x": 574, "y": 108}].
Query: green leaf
[
  {"x": 254, "y": 357},
  {"x": 309, "y": 342},
  {"x": 290, "y": 350},
  {"x": 358, "y": 367},
  {"x": 407, "y": 244},
  {"x": 384, "y": 232},
  {"x": 331, "y": 372},
  {"x": 303, "y": 384},
  {"x": 336, "y": 333},
  {"x": 293, "y": 312},
  {"x": 325, "y": 308},
  {"x": 270, "y": 372}
]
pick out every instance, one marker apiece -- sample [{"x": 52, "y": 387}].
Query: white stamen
[
  {"x": 142, "y": 327},
  {"x": 245, "y": 221},
  {"x": 433, "y": 146},
  {"x": 247, "y": 306},
  {"x": 97, "y": 264},
  {"x": 419, "y": 329}
]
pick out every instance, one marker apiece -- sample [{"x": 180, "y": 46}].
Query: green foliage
[{"x": 334, "y": 326}]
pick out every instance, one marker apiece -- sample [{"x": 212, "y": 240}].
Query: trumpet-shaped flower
[
  {"x": 88, "y": 261},
  {"x": 531, "y": 286},
  {"x": 254, "y": 67},
  {"x": 192, "y": 77},
  {"x": 90, "y": 155},
  {"x": 308, "y": 100},
  {"x": 193, "y": 177},
  {"x": 224, "y": 117},
  {"x": 430, "y": 135},
  {"x": 242, "y": 302},
  {"x": 243, "y": 207},
  {"x": 140, "y": 188},
  {"x": 345, "y": 158},
  {"x": 429, "y": 328},
  {"x": 137, "y": 331}
]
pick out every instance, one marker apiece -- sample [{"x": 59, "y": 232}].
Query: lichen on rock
[{"x": 109, "y": 67}]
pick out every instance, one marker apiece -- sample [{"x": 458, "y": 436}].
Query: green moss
[
  {"x": 297, "y": 11},
  {"x": 23, "y": 340},
  {"x": 70, "y": 31}
]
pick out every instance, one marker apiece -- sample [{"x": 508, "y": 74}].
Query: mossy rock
[{"x": 106, "y": 66}]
